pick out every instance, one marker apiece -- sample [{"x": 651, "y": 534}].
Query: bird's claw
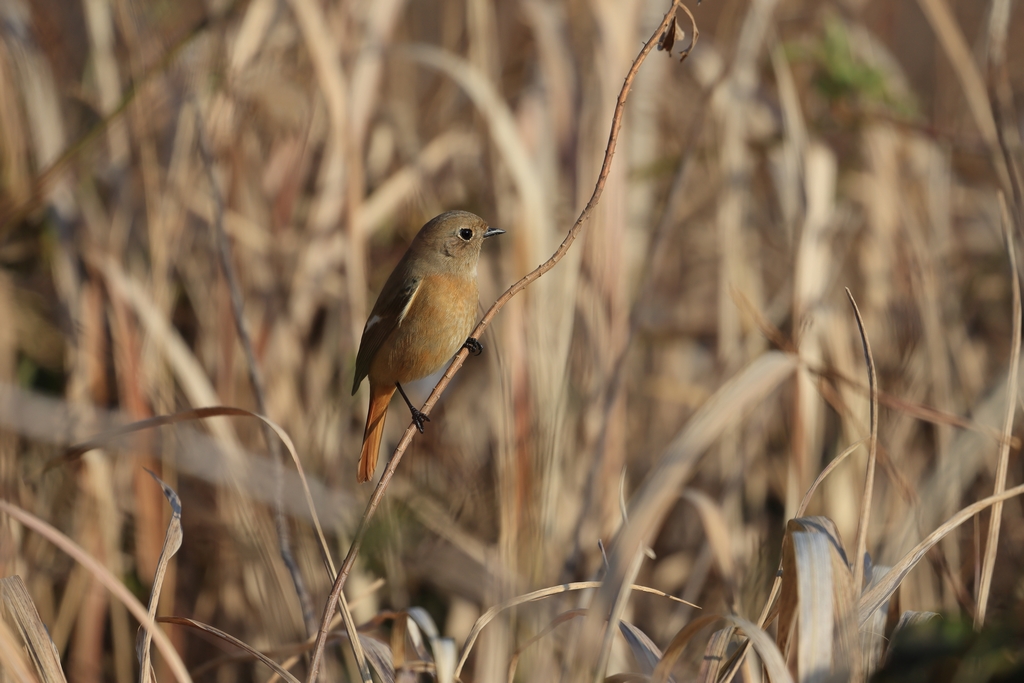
[
  {"x": 418, "y": 418},
  {"x": 474, "y": 346}
]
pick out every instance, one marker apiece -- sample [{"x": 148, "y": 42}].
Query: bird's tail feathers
[{"x": 379, "y": 400}]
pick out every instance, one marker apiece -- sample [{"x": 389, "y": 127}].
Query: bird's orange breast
[{"x": 435, "y": 325}]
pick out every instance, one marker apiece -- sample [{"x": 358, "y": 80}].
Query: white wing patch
[
  {"x": 374, "y": 319},
  {"x": 408, "y": 304}
]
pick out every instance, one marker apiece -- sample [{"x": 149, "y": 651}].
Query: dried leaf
[
  {"x": 172, "y": 542},
  {"x": 670, "y": 36}
]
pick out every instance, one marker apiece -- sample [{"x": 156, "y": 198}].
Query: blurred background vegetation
[{"x": 805, "y": 146}]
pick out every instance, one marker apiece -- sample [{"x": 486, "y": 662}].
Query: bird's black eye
[{"x": 466, "y": 234}]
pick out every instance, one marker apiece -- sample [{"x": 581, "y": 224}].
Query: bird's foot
[
  {"x": 475, "y": 347},
  {"x": 418, "y": 418}
]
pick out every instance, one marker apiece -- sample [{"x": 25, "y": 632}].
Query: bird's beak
[{"x": 491, "y": 232}]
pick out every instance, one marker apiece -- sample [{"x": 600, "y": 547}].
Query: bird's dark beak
[{"x": 491, "y": 232}]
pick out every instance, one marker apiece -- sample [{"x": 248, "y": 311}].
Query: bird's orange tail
[{"x": 379, "y": 400}]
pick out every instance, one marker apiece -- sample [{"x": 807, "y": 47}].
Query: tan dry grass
[{"x": 752, "y": 174}]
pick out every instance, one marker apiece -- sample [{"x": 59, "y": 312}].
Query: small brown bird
[{"x": 422, "y": 317}]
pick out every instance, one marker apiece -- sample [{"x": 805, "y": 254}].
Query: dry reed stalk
[
  {"x": 100, "y": 23},
  {"x": 1002, "y": 464},
  {"x": 951, "y": 38},
  {"x": 810, "y": 280},
  {"x": 337, "y": 167}
]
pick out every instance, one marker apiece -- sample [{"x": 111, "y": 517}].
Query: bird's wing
[{"x": 391, "y": 307}]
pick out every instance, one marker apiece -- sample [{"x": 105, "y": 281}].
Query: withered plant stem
[{"x": 460, "y": 357}]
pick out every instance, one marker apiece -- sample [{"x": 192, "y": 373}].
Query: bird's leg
[
  {"x": 418, "y": 417},
  {"x": 475, "y": 347}
]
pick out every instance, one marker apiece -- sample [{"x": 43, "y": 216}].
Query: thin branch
[{"x": 410, "y": 432}]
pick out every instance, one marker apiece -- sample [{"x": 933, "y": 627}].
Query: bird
[{"x": 423, "y": 316}]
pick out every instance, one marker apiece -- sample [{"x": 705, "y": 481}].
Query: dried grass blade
[
  {"x": 766, "y": 649},
  {"x": 445, "y": 656},
  {"x": 874, "y": 597},
  {"x": 696, "y": 33},
  {"x": 678, "y": 644},
  {"x": 645, "y": 652},
  {"x": 1002, "y": 464},
  {"x": 416, "y": 637},
  {"x": 615, "y": 616},
  {"x": 21, "y": 610},
  {"x": 443, "y": 652},
  {"x": 717, "y": 531},
  {"x": 172, "y": 542},
  {"x": 231, "y": 640},
  {"x": 802, "y": 605},
  {"x": 836, "y": 461},
  {"x": 714, "y": 655},
  {"x": 399, "y": 632},
  {"x": 811, "y": 555},
  {"x": 12, "y": 657},
  {"x": 424, "y": 621},
  {"x": 378, "y": 655},
  {"x": 103, "y": 575},
  {"x": 354, "y": 640},
  {"x": 789, "y": 593},
  {"x": 869, "y": 476}
]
